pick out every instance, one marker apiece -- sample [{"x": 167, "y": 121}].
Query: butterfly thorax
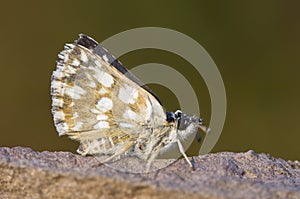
[{"x": 178, "y": 126}]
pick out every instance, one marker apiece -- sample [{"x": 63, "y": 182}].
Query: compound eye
[
  {"x": 170, "y": 117},
  {"x": 200, "y": 120}
]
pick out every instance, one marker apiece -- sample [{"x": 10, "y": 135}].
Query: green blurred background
[{"x": 255, "y": 45}]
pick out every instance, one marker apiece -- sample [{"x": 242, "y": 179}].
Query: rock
[{"x": 25, "y": 173}]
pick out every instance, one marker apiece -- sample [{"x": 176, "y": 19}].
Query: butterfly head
[{"x": 186, "y": 122}]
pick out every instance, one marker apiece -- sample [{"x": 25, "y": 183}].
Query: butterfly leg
[
  {"x": 123, "y": 150},
  {"x": 181, "y": 149},
  {"x": 149, "y": 161}
]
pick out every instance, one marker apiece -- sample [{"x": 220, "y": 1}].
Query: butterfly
[{"x": 99, "y": 103}]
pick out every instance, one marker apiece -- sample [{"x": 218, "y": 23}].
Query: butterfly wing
[
  {"x": 111, "y": 60},
  {"x": 96, "y": 104}
]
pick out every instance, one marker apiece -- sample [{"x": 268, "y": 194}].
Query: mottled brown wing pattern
[{"x": 97, "y": 105}]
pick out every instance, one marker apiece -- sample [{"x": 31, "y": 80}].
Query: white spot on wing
[
  {"x": 92, "y": 84},
  {"x": 70, "y": 69},
  {"x": 105, "y": 58},
  {"x": 57, "y": 102},
  {"x": 104, "y": 104},
  {"x": 101, "y": 124},
  {"x": 104, "y": 78},
  {"x": 129, "y": 114},
  {"x": 77, "y": 126},
  {"x": 62, "y": 128},
  {"x": 59, "y": 115},
  {"x": 84, "y": 57},
  {"x": 75, "y": 92},
  {"x": 102, "y": 117},
  {"x": 148, "y": 109},
  {"x": 128, "y": 94},
  {"x": 126, "y": 125},
  {"x": 68, "y": 46},
  {"x": 58, "y": 74},
  {"x": 95, "y": 111},
  {"x": 62, "y": 55},
  {"x": 57, "y": 85},
  {"x": 75, "y": 62}
]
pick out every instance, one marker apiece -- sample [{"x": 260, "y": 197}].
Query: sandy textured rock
[{"x": 25, "y": 173}]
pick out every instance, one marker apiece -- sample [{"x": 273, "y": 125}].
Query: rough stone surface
[{"x": 25, "y": 173}]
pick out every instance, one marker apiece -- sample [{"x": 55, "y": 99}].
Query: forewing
[
  {"x": 99, "y": 50},
  {"x": 94, "y": 102}
]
